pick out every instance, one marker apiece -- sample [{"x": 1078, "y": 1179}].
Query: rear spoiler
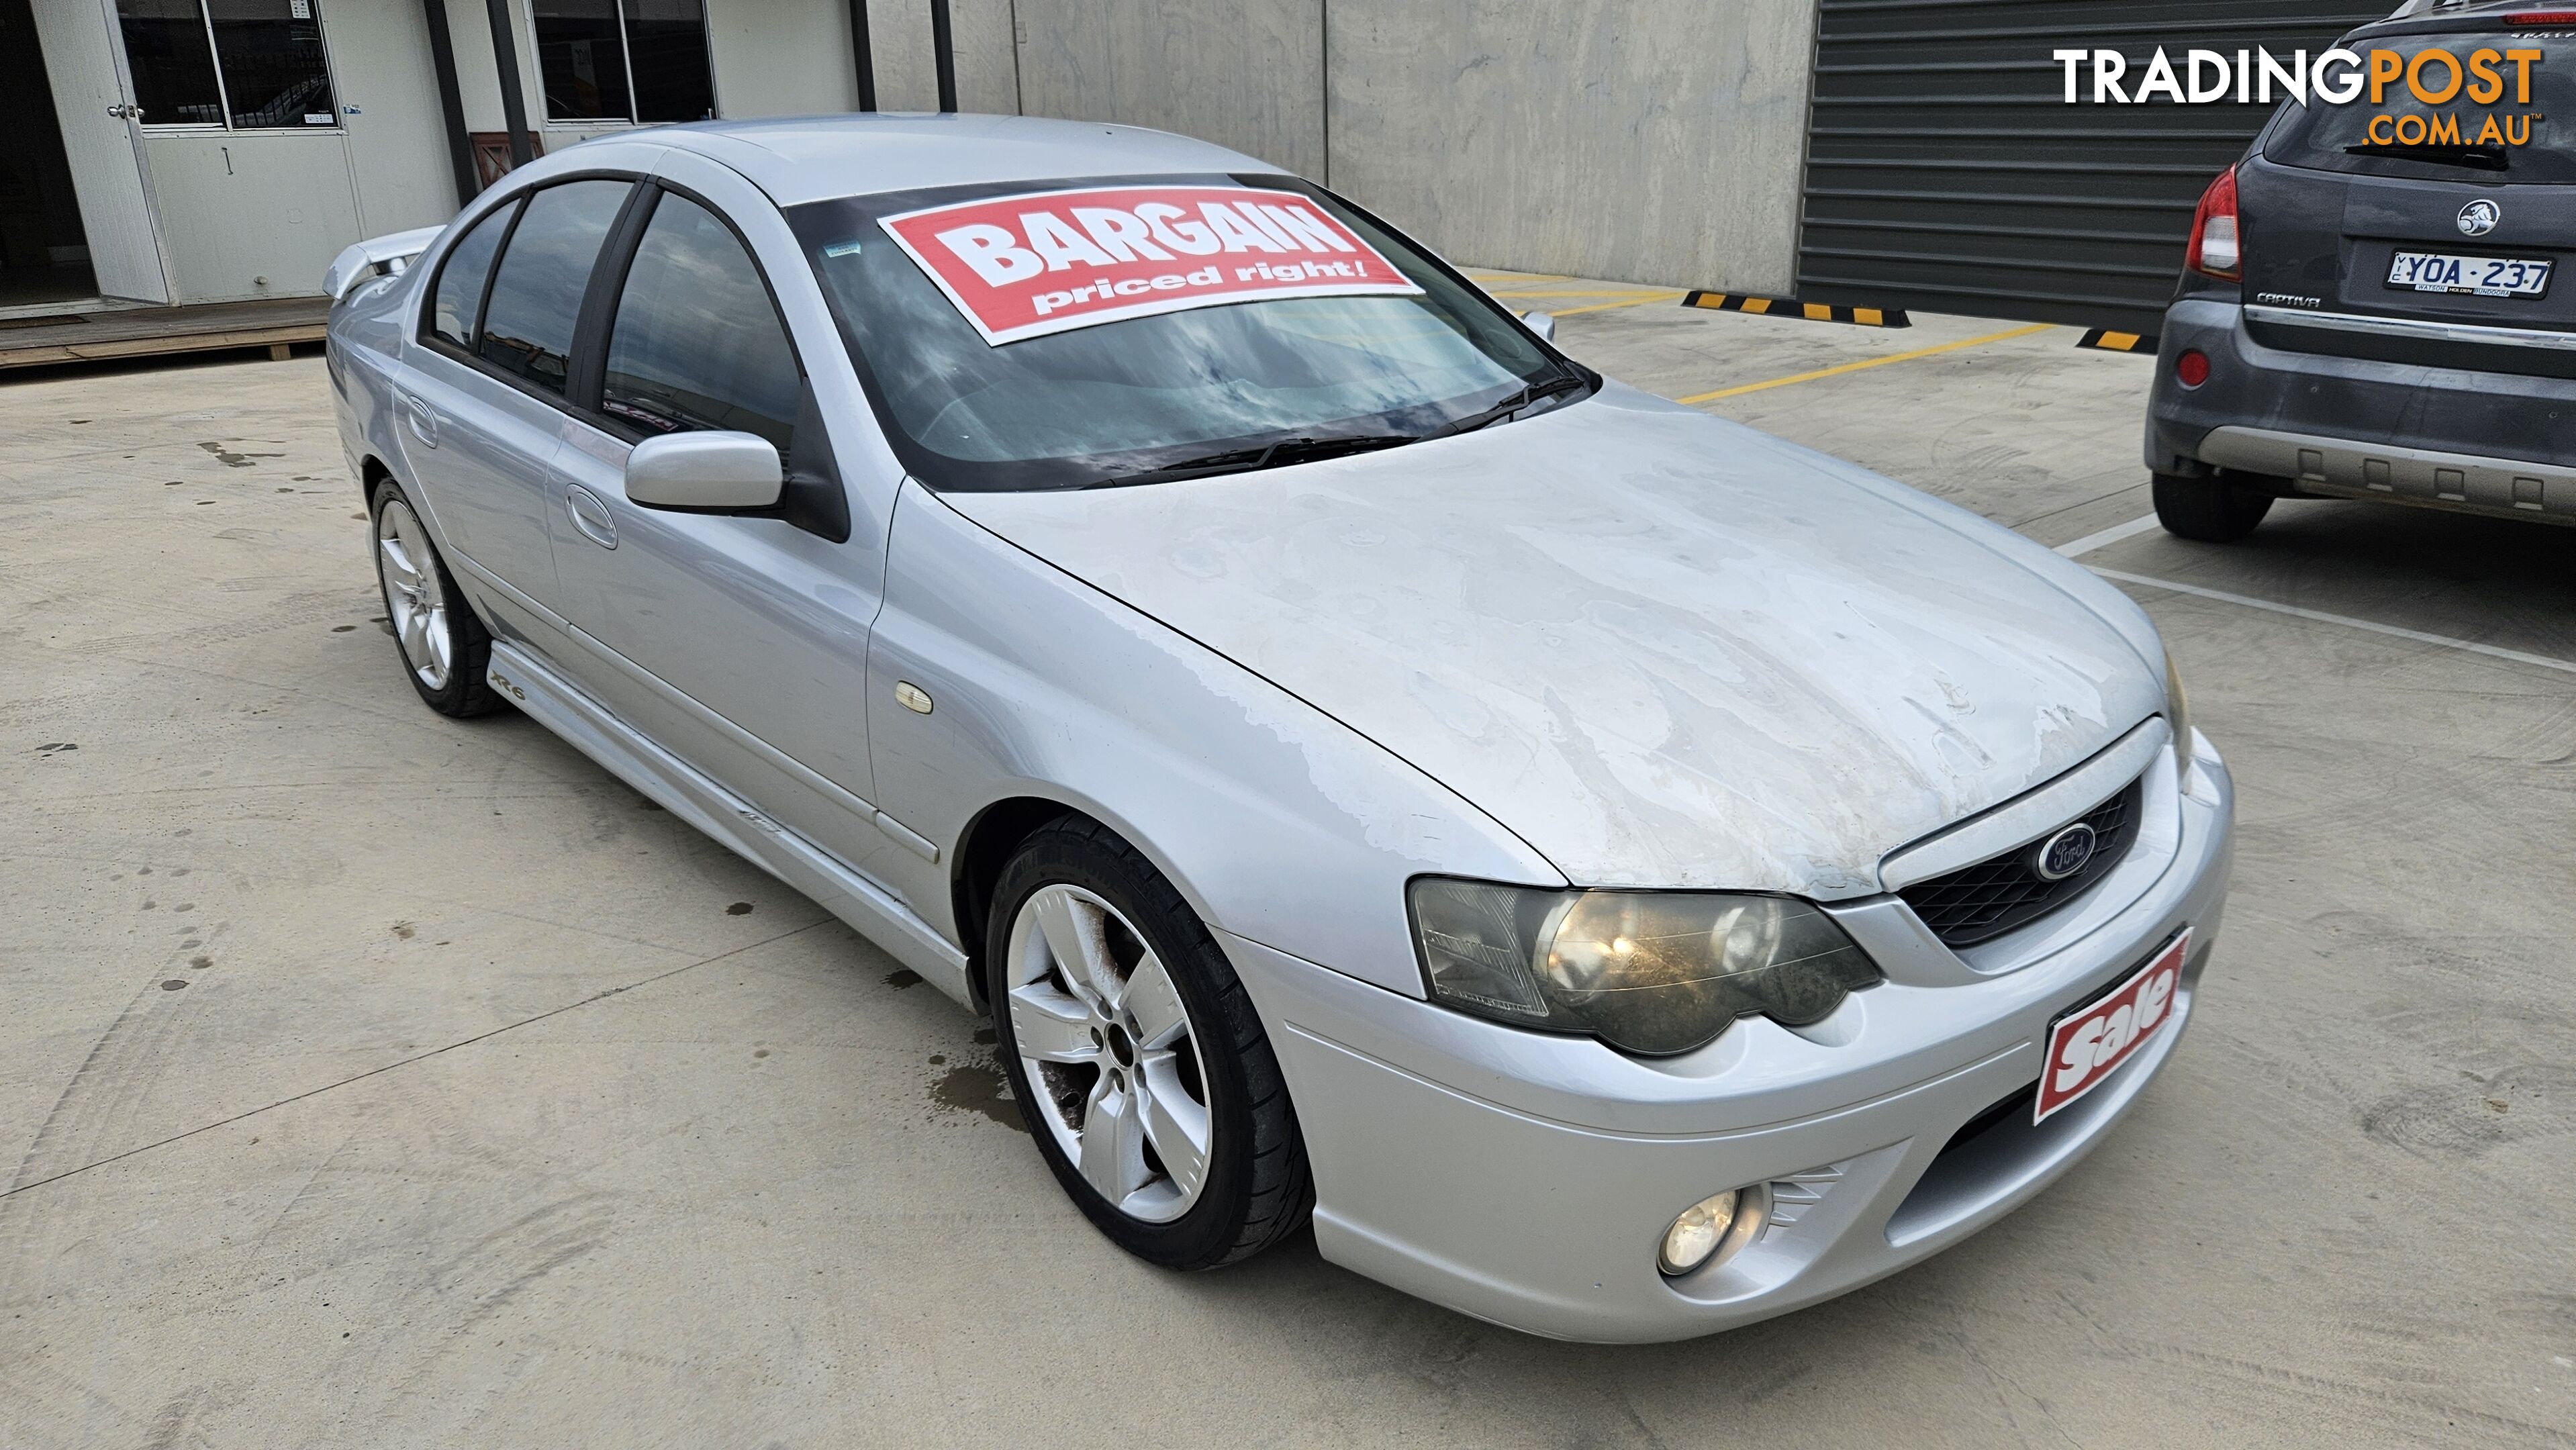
[{"x": 376, "y": 257}]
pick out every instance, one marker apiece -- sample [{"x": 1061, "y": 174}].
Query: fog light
[
  {"x": 2192, "y": 368},
  {"x": 1697, "y": 1233}
]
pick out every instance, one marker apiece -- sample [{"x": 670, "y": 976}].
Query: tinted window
[
  {"x": 274, "y": 71},
  {"x": 536, "y": 291},
  {"x": 581, "y": 53},
  {"x": 668, "y": 42},
  {"x": 461, "y": 279},
  {"x": 173, "y": 66},
  {"x": 2501, "y": 121},
  {"x": 624, "y": 60},
  {"x": 696, "y": 343}
]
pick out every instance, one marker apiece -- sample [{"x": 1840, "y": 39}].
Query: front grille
[{"x": 1981, "y": 902}]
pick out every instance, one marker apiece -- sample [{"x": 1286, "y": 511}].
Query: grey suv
[{"x": 2371, "y": 305}]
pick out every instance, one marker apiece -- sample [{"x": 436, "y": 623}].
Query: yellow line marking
[
  {"x": 1607, "y": 306},
  {"x": 1482, "y": 277},
  {"x": 1875, "y": 362},
  {"x": 1619, "y": 292}
]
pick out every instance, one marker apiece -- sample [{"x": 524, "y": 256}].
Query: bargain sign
[{"x": 1050, "y": 261}]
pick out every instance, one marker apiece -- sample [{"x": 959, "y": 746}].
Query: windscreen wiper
[
  {"x": 2475, "y": 158},
  {"x": 1535, "y": 392},
  {"x": 1270, "y": 455}
]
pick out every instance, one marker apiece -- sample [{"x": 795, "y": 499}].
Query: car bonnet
[{"x": 1667, "y": 651}]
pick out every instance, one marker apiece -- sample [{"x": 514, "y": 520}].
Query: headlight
[
  {"x": 2178, "y": 716},
  {"x": 1654, "y": 972}
]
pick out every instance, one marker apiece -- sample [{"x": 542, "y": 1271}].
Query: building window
[
  {"x": 624, "y": 60},
  {"x": 243, "y": 64}
]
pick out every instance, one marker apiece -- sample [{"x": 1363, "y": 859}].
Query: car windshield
[
  {"x": 1177, "y": 394},
  {"x": 2533, "y": 133}
]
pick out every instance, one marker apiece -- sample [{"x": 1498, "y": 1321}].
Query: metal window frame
[
  {"x": 224, "y": 95},
  {"x": 626, "y": 58}
]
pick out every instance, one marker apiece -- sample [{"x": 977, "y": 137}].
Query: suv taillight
[
  {"x": 2217, "y": 245},
  {"x": 2527, "y": 18}
]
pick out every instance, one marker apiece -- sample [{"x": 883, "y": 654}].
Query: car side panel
[{"x": 1275, "y": 821}]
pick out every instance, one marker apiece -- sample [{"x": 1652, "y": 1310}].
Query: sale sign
[
  {"x": 2084, "y": 1046},
  {"x": 1050, "y": 261}
]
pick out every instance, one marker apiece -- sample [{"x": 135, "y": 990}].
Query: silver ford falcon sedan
[{"x": 1619, "y": 875}]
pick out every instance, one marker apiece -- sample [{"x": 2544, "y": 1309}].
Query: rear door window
[
  {"x": 537, "y": 290},
  {"x": 696, "y": 342},
  {"x": 2497, "y": 121},
  {"x": 458, "y": 299}
]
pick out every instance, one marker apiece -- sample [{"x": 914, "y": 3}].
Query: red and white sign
[
  {"x": 1049, "y": 261},
  {"x": 2084, "y": 1046}
]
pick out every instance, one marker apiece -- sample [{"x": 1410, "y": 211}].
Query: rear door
[
  {"x": 483, "y": 399},
  {"x": 2460, "y": 211}
]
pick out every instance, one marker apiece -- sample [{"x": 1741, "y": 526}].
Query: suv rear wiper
[
  {"x": 1535, "y": 392},
  {"x": 1271, "y": 455},
  {"x": 2476, "y": 158}
]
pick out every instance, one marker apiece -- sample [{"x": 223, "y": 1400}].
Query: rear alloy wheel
[
  {"x": 1136, "y": 1058},
  {"x": 2214, "y": 510},
  {"x": 444, "y": 648}
]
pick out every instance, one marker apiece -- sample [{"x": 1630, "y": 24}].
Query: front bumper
[
  {"x": 1527, "y": 1179},
  {"x": 2355, "y": 427}
]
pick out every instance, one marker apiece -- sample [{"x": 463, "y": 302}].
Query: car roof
[{"x": 811, "y": 158}]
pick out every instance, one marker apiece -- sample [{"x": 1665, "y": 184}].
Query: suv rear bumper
[{"x": 2483, "y": 442}]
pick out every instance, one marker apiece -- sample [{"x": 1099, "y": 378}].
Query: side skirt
[{"x": 683, "y": 790}]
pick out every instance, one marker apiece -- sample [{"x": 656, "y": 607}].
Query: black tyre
[
  {"x": 2213, "y": 510},
  {"x": 1136, "y": 1057},
  {"x": 444, "y": 648}
]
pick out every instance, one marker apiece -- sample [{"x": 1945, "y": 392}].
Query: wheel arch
[{"x": 984, "y": 848}]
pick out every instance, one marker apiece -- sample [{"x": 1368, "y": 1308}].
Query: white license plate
[
  {"x": 2088, "y": 1044},
  {"x": 2478, "y": 276}
]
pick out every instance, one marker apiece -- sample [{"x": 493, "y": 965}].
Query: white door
[
  {"x": 252, "y": 214},
  {"x": 94, "y": 100}
]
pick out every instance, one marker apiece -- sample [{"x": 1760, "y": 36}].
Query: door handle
[
  {"x": 424, "y": 423},
  {"x": 126, "y": 112},
  {"x": 591, "y": 516}
]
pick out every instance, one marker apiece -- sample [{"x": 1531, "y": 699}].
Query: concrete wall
[
  {"x": 1243, "y": 73},
  {"x": 781, "y": 57},
  {"x": 1645, "y": 140}
]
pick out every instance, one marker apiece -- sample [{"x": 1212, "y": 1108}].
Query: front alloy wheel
[
  {"x": 1102, "y": 1034},
  {"x": 1135, "y": 1055}
]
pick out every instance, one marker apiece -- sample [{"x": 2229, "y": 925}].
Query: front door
[
  {"x": 740, "y": 641},
  {"x": 103, "y": 141}
]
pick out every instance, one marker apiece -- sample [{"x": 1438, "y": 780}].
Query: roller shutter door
[{"x": 1945, "y": 171}]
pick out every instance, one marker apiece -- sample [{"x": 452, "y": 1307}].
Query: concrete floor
[{"x": 368, "y": 1078}]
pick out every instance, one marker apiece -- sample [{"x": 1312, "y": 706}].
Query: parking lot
[{"x": 371, "y": 1078}]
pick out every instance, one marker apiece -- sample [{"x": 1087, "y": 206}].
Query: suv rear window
[{"x": 2379, "y": 140}]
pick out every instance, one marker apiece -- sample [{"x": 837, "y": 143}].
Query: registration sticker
[
  {"x": 1050, "y": 261},
  {"x": 2085, "y": 1045}
]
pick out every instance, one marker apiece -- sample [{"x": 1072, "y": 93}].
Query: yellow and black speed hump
[
  {"x": 1791, "y": 307},
  {"x": 2106, "y": 339}
]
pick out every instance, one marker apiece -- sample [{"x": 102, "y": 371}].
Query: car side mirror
[
  {"x": 1541, "y": 323},
  {"x": 705, "y": 471}
]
